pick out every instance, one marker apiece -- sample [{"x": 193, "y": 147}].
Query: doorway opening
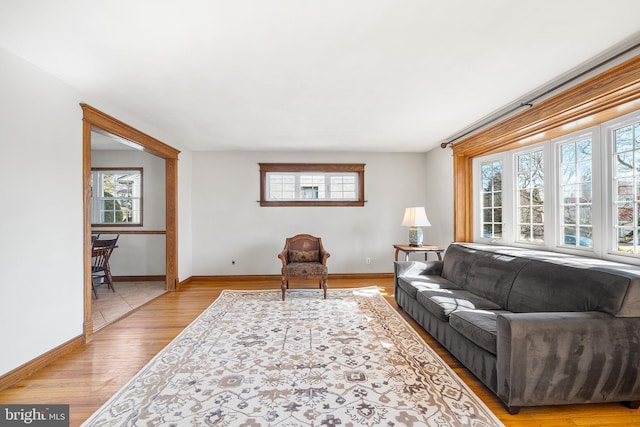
[{"x": 96, "y": 121}]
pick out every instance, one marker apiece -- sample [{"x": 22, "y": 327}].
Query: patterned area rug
[{"x": 252, "y": 360}]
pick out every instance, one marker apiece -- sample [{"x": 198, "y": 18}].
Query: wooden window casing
[
  {"x": 318, "y": 168},
  {"x": 611, "y": 94}
]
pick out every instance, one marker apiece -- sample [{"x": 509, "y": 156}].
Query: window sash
[
  {"x": 116, "y": 196},
  {"x": 575, "y": 192},
  {"x": 491, "y": 199},
  {"x": 530, "y": 197},
  {"x": 625, "y": 187}
]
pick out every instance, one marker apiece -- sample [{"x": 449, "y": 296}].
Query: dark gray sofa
[{"x": 536, "y": 327}]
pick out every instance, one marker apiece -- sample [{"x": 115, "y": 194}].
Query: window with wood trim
[
  {"x": 116, "y": 196},
  {"x": 312, "y": 184}
]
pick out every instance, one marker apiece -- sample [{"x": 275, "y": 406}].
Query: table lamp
[{"x": 414, "y": 218}]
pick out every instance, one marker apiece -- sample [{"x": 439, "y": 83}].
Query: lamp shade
[{"x": 415, "y": 217}]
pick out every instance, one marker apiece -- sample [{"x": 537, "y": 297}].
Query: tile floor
[{"x": 110, "y": 306}]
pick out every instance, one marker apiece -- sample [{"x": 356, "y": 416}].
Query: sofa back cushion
[
  {"x": 547, "y": 286},
  {"x": 457, "y": 261},
  {"x": 491, "y": 276}
]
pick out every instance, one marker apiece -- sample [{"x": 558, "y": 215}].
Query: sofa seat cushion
[
  {"x": 412, "y": 284},
  {"x": 442, "y": 302},
  {"x": 478, "y": 326}
]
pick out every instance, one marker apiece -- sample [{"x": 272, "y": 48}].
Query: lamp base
[{"x": 415, "y": 236}]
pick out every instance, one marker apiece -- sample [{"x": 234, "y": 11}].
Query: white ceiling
[{"x": 370, "y": 75}]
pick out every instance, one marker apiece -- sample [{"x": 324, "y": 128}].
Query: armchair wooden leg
[
  {"x": 324, "y": 288},
  {"x": 284, "y": 287}
]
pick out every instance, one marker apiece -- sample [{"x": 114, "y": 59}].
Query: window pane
[
  {"x": 569, "y": 235},
  {"x": 586, "y": 239},
  {"x": 585, "y": 215},
  {"x": 568, "y": 153},
  {"x": 524, "y": 215},
  {"x": 584, "y": 150},
  {"x": 538, "y": 233},
  {"x": 537, "y": 215},
  {"x": 585, "y": 193},
  {"x": 624, "y": 164},
  {"x": 585, "y": 171},
  {"x": 497, "y": 199},
  {"x": 497, "y": 215},
  {"x": 568, "y": 195},
  {"x": 625, "y": 214},
  {"x": 570, "y": 215},
  {"x": 623, "y": 139},
  {"x": 497, "y": 176},
  {"x": 568, "y": 174},
  {"x": 626, "y": 240}
]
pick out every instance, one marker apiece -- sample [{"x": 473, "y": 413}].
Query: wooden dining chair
[{"x": 100, "y": 270}]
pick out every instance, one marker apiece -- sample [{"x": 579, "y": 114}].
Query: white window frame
[
  {"x": 548, "y": 204},
  {"x": 507, "y": 199},
  {"x": 596, "y": 193},
  {"x": 610, "y": 238},
  {"x": 96, "y": 198}
]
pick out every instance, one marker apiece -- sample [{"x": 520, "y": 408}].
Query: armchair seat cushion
[{"x": 304, "y": 270}]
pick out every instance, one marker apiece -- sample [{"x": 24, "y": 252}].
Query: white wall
[
  {"x": 229, "y": 225},
  {"x": 185, "y": 215},
  {"x": 41, "y": 274},
  {"x": 439, "y": 189},
  {"x": 138, "y": 254},
  {"x": 41, "y": 284}
]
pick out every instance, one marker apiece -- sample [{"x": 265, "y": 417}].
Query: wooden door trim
[{"x": 93, "y": 118}]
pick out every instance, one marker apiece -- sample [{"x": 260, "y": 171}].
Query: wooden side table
[{"x": 419, "y": 249}]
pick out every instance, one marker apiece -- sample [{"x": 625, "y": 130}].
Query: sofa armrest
[{"x": 562, "y": 357}]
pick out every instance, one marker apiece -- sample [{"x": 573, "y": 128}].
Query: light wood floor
[{"x": 87, "y": 377}]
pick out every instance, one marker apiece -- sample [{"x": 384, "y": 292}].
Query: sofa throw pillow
[{"x": 304, "y": 256}]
